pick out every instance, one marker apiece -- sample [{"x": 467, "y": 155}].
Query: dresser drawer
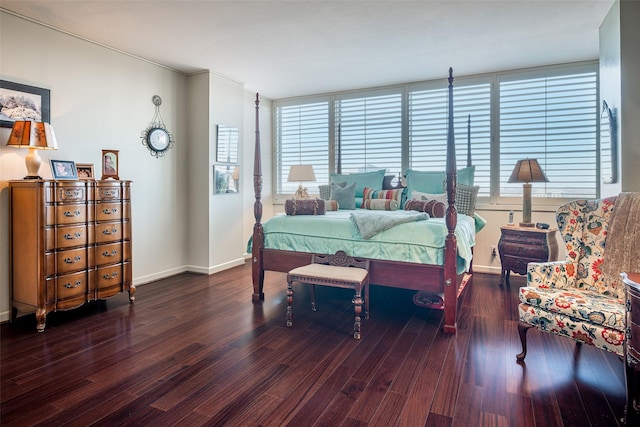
[
  {"x": 108, "y": 232},
  {"x": 66, "y": 214},
  {"x": 109, "y": 254},
  {"x": 109, "y": 276},
  {"x": 108, "y": 211},
  {"x": 70, "y": 192},
  {"x": 66, "y": 237},
  {"x": 108, "y": 193},
  {"x": 540, "y": 253},
  {"x": 71, "y": 285},
  {"x": 62, "y": 262}
]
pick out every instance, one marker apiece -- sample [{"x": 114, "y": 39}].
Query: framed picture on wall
[
  {"x": 226, "y": 179},
  {"x": 110, "y": 164},
  {"x": 227, "y": 145},
  {"x": 23, "y": 102},
  {"x": 85, "y": 170}
]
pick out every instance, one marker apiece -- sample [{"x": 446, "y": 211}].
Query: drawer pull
[
  {"x": 111, "y": 276},
  {"x": 71, "y": 214},
  {"x": 74, "y": 260},
  {"x": 109, "y": 232},
  {"x": 112, "y": 253},
  {"x": 109, "y": 211},
  {"x": 75, "y": 235},
  {"x": 72, "y": 194},
  {"x": 75, "y": 285}
]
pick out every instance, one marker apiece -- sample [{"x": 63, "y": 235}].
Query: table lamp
[
  {"x": 527, "y": 171},
  {"x": 301, "y": 173},
  {"x": 34, "y": 136}
]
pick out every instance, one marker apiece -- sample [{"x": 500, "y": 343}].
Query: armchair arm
[{"x": 554, "y": 274}]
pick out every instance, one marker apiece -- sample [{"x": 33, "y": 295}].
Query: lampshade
[
  {"x": 527, "y": 171},
  {"x": 301, "y": 173},
  {"x": 34, "y": 136}
]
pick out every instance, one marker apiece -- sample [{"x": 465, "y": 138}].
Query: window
[
  {"x": 302, "y": 137},
  {"x": 549, "y": 113},
  {"x": 369, "y": 133},
  {"x": 553, "y": 119}
]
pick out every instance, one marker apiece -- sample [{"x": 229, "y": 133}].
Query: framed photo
[
  {"x": 226, "y": 179},
  {"x": 227, "y": 147},
  {"x": 110, "y": 164},
  {"x": 63, "y": 169},
  {"x": 85, "y": 170},
  {"x": 23, "y": 102}
]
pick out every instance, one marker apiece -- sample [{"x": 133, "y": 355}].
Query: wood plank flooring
[{"x": 193, "y": 350}]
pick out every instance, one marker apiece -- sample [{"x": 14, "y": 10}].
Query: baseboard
[
  {"x": 216, "y": 268},
  {"x": 487, "y": 269}
]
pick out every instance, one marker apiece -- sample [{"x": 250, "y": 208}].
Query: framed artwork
[
  {"x": 110, "y": 164},
  {"x": 23, "y": 102},
  {"x": 85, "y": 170},
  {"x": 227, "y": 146},
  {"x": 226, "y": 179},
  {"x": 63, "y": 169}
]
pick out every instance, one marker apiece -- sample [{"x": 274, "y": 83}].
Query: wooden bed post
[
  {"x": 257, "y": 272},
  {"x": 450, "y": 250}
]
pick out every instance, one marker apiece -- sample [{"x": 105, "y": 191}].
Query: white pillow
[{"x": 417, "y": 195}]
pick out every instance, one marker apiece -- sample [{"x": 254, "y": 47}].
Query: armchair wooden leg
[{"x": 522, "y": 331}]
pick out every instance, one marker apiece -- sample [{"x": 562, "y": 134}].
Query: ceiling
[{"x": 286, "y": 48}]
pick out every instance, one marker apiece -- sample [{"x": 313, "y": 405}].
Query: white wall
[{"x": 100, "y": 99}]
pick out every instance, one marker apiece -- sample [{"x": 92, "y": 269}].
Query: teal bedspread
[{"x": 419, "y": 242}]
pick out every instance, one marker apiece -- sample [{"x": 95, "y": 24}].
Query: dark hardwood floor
[{"x": 193, "y": 350}]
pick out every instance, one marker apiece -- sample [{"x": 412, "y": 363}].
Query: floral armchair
[{"x": 573, "y": 298}]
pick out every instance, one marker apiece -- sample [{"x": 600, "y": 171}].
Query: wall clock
[{"x": 156, "y": 137}]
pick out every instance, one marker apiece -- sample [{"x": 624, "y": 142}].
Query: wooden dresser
[
  {"x": 518, "y": 246},
  {"x": 70, "y": 242}
]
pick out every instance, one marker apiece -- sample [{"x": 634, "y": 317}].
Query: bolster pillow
[
  {"x": 380, "y": 204},
  {"x": 304, "y": 207},
  {"x": 434, "y": 208}
]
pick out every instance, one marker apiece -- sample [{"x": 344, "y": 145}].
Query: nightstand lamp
[
  {"x": 301, "y": 173},
  {"x": 34, "y": 136},
  {"x": 527, "y": 171}
]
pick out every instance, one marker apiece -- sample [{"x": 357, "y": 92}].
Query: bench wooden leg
[
  {"x": 357, "y": 305},
  {"x": 289, "y": 303},
  {"x": 313, "y": 297},
  {"x": 522, "y": 331}
]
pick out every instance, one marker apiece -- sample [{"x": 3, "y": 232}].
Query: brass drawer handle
[
  {"x": 74, "y": 260},
  {"x": 111, "y": 276},
  {"x": 75, "y": 285},
  {"x": 109, "y": 232},
  {"x": 71, "y": 214},
  {"x": 75, "y": 235},
  {"x": 113, "y": 253},
  {"x": 109, "y": 211}
]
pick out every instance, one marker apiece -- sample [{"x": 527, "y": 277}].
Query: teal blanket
[{"x": 370, "y": 223}]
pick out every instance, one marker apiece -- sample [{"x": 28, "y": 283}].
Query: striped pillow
[{"x": 370, "y": 193}]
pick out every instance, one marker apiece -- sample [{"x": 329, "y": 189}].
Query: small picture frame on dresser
[
  {"x": 63, "y": 169},
  {"x": 110, "y": 164},
  {"x": 85, "y": 171}
]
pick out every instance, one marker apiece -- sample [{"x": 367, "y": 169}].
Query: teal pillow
[
  {"x": 425, "y": 182},
  {"x": 466, "y": 175},
  {"x": 361, "y": 179},
  {"x": 345, "y": 197}
]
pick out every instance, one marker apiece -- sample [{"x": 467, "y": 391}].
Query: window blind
[
  {"x": 553, "y": 119},
  {"x": 370, "y": 133},
  {"x": 302, "y": 137},
  {"x": 428, "y": 124}
]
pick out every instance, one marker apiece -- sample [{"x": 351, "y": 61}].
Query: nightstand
[{"x": 518, "y": 246}]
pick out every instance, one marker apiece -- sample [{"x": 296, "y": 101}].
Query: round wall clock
[{"x": 156, "y": 137}]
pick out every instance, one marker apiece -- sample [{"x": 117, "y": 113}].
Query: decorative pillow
[
  {"x": 325, "y": 190},
  {"x": 346, "y": 197},
  {"x": 370, "y": 193},
  {"x": 434, "y": 208},
  {"x": 380, "y": 204},
  {"x": 304, "y": 207},
  {"x": 427, "y": 196},
  {"x": 426, "y": 182},
  {"x": 331, "y": 205},
  {"x": 363, "y": 179},
  {"x": 466, "y": 175},
  {"x": 466, "y": 199}
]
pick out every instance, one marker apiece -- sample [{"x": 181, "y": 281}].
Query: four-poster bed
[{"x": 444, "y": 279}]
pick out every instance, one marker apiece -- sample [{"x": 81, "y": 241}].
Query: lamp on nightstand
[
  {"x": 34, "y": 136},
  {"x": 301, "y": 173},
  {"x": 527, "y": 171}
]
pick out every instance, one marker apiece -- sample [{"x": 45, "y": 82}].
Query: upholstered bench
[{"x": 339, "y": 270}]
